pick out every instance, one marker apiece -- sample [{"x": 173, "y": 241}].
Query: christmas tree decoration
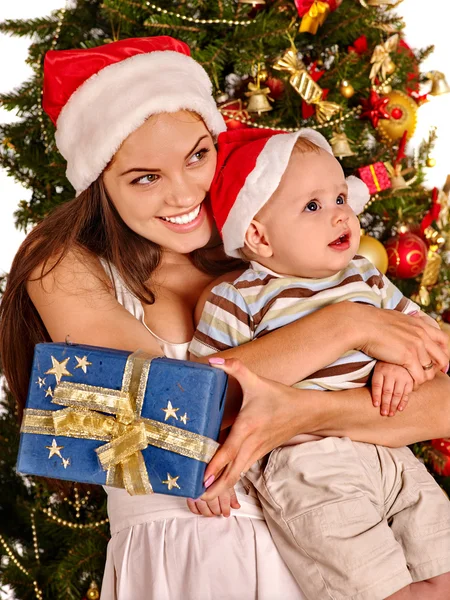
[
  {"x": 382, "y": 63},
  {"x": 441, "y": 456},
  {"x": 396, "y": 171},
  {"x": 236, "y": 117},
  {"x": 304, "y": 84},
  {"x": 433, "y": 214},
  {"x": 430, "y": 162},
  {"x": 93, "y": 591},
  {"x": 340, "y": 145},
  {"x": 253, "y": 2},
  {"x": 276, "y": 87},
  {"x": 375, "y": 177},
  {"x": 258, "y": 98},
  {"x": 430, "y": 274},
  {"x": 359, "y": 45},
  {"x": 346, "y": 89},
  {"x": 374, "y": 108},
  {"x": 402, "y": 116},
  {"x": 374, "y": 251},
  {"x": 439, "y": 84},
  {"x": 407, "y": 255},
  {"x": 313, "y": 13}
]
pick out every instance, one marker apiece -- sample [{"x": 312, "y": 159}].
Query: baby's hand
[
  {"x": 219, "y": 506},
  {"x": 391, "y": 386}
]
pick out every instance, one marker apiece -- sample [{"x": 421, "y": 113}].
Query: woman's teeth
[{"x": 187, "y": 218}]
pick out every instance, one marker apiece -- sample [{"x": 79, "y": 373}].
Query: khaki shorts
[{"x": 354, "y": 520}]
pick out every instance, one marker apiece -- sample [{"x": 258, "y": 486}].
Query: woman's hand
[
  {"x": 221, "y": 505},
  {"x": 263, "y": 423},
  {"x": 406, "y": 340}
]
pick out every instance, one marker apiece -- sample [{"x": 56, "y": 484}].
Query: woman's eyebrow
[{"x": 142, "y": 170}]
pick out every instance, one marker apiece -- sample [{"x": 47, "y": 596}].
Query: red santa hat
[
  {"x": 250, "y": 165},
  {"x": 97, "y": 96}
]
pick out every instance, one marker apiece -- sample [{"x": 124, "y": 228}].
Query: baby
[{"x": 351, "y": 520}]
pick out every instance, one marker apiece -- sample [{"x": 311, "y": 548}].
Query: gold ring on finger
[{"x": 428, "y": 367}]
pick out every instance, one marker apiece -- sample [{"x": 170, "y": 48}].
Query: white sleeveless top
[
  {"x": 125, "y": 510},
  {"x": 159, "y": 550}
]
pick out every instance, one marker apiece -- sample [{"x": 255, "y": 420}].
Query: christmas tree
[{"x": 281, "y": 64}]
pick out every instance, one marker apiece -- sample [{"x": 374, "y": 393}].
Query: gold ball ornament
[
  {"x": 403, "y": 112},
  {"x": 93, "y": 593},
  {"x": 389, "y": 67},
  {"x": 346, "y": 89},
  {"x": 430, "y": 162},
  {"x": 263, "y": 74},
  {"x": 374, "y": 251}
]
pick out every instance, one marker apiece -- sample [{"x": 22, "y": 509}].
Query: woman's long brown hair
[{"x": 89, "y": 222}]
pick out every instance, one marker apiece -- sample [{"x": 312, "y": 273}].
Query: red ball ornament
[
  {"x": 407, "y": 255},
  {"x": 396, "y": 113},
  {"x": 446, "y": 316},
  {"x": 276, "y": 87}
]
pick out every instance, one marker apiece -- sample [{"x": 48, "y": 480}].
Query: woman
[{"x": 124, "y": 265}]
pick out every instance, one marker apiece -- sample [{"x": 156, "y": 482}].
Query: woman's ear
[{"x": 257, "y": 241}]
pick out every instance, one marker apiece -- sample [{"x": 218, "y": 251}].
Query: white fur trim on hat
[
  {"x": 358, "y": 194},
  {"x": 113, "y": 103},
  {"x": 261, "y": 183}
]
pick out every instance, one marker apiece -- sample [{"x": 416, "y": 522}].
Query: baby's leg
[
  {"x": 437, "y": 588},
  {"x": 325, "y": 509}
]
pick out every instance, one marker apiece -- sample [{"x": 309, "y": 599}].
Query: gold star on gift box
[
  {"x": 184, "y": 419},
  {"x": 49, "y": 392},
  {"x": 54, "y": 449},
  {"x": 170, "y": 411},
  {"x": 171, "y": 482},
  {"x": 59, "y": 369},
  {"x": 41, "y": 381},
  {"x": 66, "y": 462},
  {"x": 83, "y": 363}
]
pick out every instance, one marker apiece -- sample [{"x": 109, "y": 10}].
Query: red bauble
[
  {"x": 446, "y": 316},
  {"x": 276, "y": 87},
  {"x": 234, "y": 114},
  {"x": 441, "y": 461},
  {"x": 396, "y": 113},
  {"x": 407, "y": 255}
]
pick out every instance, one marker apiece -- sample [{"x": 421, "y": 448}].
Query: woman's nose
[{"x": 183, "y": 193}]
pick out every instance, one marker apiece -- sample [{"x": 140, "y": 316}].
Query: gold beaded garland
[{"x": 230, "y": 22}]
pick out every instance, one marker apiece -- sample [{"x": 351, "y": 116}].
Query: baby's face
[{"x": 311, "y": 229}]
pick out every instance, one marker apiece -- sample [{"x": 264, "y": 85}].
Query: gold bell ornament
[
  {"x": 439, "y": 84},
  {"x": 258, "y": 99},
  {"x": 340, "y": 145},
  {"x": 93, "y": 593}
]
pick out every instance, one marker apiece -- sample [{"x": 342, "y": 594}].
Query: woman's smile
[{"x": 185, "y": 222}]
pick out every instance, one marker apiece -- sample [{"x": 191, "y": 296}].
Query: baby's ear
[{"x": 256, "y": 240}]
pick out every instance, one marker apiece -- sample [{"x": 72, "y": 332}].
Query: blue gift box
[{"x": 104, "y": 416}]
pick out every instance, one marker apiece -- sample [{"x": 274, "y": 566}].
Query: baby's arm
[{"x": 220, "y": 326}]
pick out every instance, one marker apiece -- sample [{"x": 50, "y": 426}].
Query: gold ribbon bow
[
  {"x": 315, "y": 17},
  {"x": 381, "y": 59},
  {"x": 430, "y": 274},
  {"x": 305, "y": 86},
  {"x": 127, "y": 433}
]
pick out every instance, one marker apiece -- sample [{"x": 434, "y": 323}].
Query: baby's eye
[
  {"x": 341, "y": 199},
  {"x": 145, "y": 179},
  {"x": 312, "y": 206}
]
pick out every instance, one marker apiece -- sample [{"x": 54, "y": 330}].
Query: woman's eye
[
  {"x": 312, "y": 206},
  {"x": 146, "y": 179},
  {"x": 340, "y": 199},
  {"x": 199, "y": 155}
]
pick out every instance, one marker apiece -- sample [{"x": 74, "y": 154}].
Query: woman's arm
[
  {"x": 273, "y": 413},
  {"x": 75, "y": 300}
]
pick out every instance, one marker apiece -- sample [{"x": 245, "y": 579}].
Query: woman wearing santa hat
[{"x": 124, "y": 264}]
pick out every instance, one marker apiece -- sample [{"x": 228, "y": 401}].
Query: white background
[{"x": 425, "y": 24}]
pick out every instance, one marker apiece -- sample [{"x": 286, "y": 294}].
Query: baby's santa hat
[
  {"x": 250, "y": 165},
  {"x": 97, "y": 96}
]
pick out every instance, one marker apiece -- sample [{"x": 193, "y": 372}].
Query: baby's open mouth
[{"x": 342, "y": 239}]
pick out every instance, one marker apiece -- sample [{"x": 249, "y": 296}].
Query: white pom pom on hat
[{"x": 250, "y": 165}]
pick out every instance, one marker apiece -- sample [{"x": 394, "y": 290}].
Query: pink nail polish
[
  {"x": 209, "y": 481},
  {"x": 216, "y": 360}
]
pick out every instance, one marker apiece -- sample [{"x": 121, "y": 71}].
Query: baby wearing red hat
[{"x": 351, "y": 519}]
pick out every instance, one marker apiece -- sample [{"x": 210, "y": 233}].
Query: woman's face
[{"x": 159, "y": 178}]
